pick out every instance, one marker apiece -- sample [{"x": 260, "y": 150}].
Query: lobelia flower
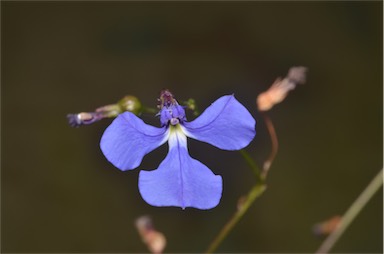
[{"x": 179, "y": 180}]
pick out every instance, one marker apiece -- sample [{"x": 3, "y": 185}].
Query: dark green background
[{"x": 59, "y": 193}]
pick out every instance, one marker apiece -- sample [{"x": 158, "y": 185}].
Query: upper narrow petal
[
  {"x": 126, "y": 141},
  {"x": 226, "y": 124},
  {"x": 180, "y": 181}
]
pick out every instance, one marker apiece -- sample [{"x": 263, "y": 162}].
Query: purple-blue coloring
[{"x": 179, "y": 180}]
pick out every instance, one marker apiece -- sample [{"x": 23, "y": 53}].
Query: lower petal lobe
[
  {"x": 180, "y": 181},
  {"x": 126, "y": 141}
]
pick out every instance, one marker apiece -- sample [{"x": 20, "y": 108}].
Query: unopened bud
[
  {"x": 130, "y": 103},
  {"x": 111, "y": 110},
  {"x": 280, "y": 88},
  {"x": 326, "y": 227},
  {"x": 297, "y": 75},
  {"x": 241, "y": 202},
  {"x": 191, "y": 104},
  {"x": 154, "y": 240},
  {"x": 83, "y": 118}
]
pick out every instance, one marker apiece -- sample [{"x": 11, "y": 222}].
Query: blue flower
[{"x": 179, "y": 180}]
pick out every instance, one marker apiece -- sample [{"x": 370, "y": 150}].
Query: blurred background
[{"x": 60, "y": 194}]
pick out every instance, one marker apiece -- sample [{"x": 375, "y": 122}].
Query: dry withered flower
[
  {"x": 326, "y": 227},
  {"x": 280, "y": 88},
  {"x": 154, "y": 240}
]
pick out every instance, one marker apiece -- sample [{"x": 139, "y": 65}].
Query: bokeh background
[{"x": 59, "y": 193}]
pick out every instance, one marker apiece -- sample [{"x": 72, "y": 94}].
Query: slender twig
[
  {"x": 255, "y": 192},
  {"x": 149, "y": 110},
  {"x": 251, "y": 163},
  {"x": 352, "y": 212},
  {"x": 296, "y": 75},
  {"x": 275, "y": 145}
]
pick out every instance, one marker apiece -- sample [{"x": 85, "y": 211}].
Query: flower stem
[
  {"x": 243, "y": 207},
  {"x": 352, "y": 212},
  {"x": 149, "y": 110},
  {"x": 274, "y": 142},
  {"x": 251, "y": 163},
  {"x": 255, "y": 192}
]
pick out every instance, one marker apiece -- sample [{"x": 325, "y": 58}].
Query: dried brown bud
[
  {"x": 83, "y": 118},
  {"x": 280, "y": 88},
  {"x": 154, "y": 240},
  {"x": 297, "y": 74},
  {"x": 326, "y": 227},
  {"x": 111, "y": 110}
]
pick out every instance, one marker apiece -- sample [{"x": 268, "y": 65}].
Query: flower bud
[
  {"x": 83, "y": 118},
  {"x": 191, "y": 104},
  {"x": 297, "y": 74},
  {"x": 326, "y": 227},
  {"x": 111, "y": 110},
  {"x": 280, "y": 88},
  {"x": 154, "y": 240},
  {"x": 130, "y": 103}
]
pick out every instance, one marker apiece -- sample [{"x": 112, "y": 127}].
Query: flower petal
[
  {"x": 180, "y": 180},
  {"x": 226, "y": 124},
  {"x": 126, "y": 141}
]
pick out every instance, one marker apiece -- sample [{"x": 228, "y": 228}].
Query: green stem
[
  {"x": 149, "y": 110},
  {"x": 352, "y": 212},
  {"x": 255, "y": 192},
  {"x": 251, "y": 163}
]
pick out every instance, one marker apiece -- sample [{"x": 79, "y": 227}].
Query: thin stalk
[
  {"x": 274, "y": 143},
  {"x": 251, "y": 163},
  {"x": 149, "y": 110},
  {"x": 352, "y": 212},
  {"x": 255, "y": 192}
]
